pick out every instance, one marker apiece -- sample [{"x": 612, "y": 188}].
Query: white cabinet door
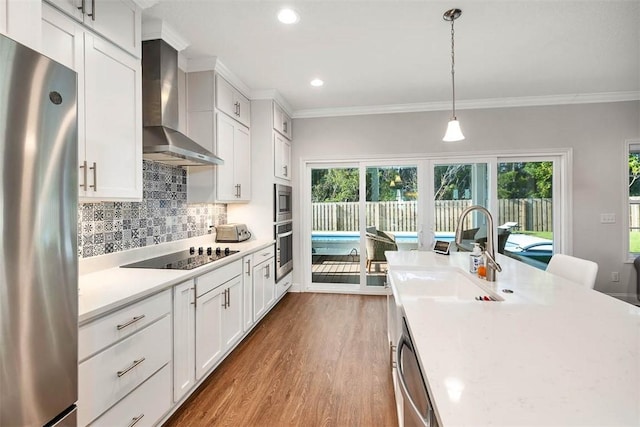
[
  {"x": 184, "y": 339},
  {"x": 3, "y": 16},
  {"x": 270, "y": 284},
  {"x": 259, "y": 276},
  {"x": 281, "y": 121},
  {"x": 109, "y": 108},
  {"x": 113, "y": 122},
  {"x": 233, "y": 145},
  {"x": 232, "y": 315},
  {"x": 247, "y": 283},
  {"x": 231, "y": 102},
  {"x": 282, "y": 157},
  {"x": 117, "y": 20},
  {"x": 242, "y": 162},
  {"x": 244, "y": 108},
  {"x": 209, "y": 344},
  {"x": 201, "y": 180},
  {"x": 264, "y": 294}
]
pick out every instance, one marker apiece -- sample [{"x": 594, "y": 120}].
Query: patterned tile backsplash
[{"x": 162, "y": 216}]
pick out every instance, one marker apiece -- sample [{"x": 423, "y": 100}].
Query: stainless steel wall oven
[{"x": 284, "y": 248}]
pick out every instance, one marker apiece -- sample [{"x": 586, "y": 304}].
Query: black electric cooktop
[{"x": 184, "y": 260}]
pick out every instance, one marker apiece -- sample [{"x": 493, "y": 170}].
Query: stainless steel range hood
[{"x": 161, "y": 141}]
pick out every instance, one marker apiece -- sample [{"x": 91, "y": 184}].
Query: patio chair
[{"x": 377, "y": 242}]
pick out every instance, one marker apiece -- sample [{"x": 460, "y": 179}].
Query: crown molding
[
  {"x": 213, "y": 63},
  {"x": 153, "y": 29},
  {"x": 528, "y": 101},
  {"x": 273, "y": 94},
  {"x": 146, "y": 4}
]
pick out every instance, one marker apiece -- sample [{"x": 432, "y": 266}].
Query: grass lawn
[
  {"x": 546, "y": 234},
  {"x": 634, "y": 241}
]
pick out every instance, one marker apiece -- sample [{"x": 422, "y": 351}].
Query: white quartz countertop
[
  {"x": 553, "y": 353},
  {"x": 108, "y": 289}
]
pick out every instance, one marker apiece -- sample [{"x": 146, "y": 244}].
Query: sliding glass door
[
  {"x": 335, "y": 226},
  {"x": 347, "y": 253}
]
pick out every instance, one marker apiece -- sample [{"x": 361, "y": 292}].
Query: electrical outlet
[
  {"x": 615, "y": 276},
  {"x": 607, "y": 218}
]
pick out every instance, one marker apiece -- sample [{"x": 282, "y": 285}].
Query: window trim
[{"x": 628, "y": 256}]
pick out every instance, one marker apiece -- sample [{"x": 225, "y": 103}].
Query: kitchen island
[{"x": 551, "y": 353}]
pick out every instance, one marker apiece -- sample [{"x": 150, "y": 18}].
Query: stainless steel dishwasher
[{"x": 418, "y": 410}]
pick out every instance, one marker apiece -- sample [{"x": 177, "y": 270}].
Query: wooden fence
[
  {"x": 634, "y": 214},
  {"x": 530, "y": 214}
]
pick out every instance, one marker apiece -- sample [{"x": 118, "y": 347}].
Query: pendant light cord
[{"x": 453, "y": 62}]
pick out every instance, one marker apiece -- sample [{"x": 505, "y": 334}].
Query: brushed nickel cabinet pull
[
  {"x": 83, "y": 166},
  {"x": 130, "y": 322},
  {"x": 285, "y": 170},
  {"x": 195, "y": 297},
  {"x": 94, "y": 168},
  {"x": 268, "y": 268},
  {"x": 135, "y": 420},
  {"x": 93, "y": 10},
  {"x": 133, "y": 365},
  {"x": 81, "y": 8},
  {"x": 284, "y": 127},
  {"x": 248, "y": 267}
]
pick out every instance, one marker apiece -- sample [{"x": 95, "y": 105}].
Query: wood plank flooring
[{"x": 315, "y": 360}]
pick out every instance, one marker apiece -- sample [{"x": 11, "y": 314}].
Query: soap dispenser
[{"x": 475, "y": 258}]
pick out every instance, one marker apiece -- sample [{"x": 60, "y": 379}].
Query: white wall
[{"x": 596, "y": 132}]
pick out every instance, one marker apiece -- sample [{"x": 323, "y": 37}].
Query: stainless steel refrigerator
[{"x": 38, "y": 239}]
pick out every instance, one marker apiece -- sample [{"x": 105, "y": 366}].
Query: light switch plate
[{"x": 607, "y": 218}]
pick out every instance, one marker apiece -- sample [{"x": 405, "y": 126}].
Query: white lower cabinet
[
  {"x": 184, "y": 339},
  {"x": 144, "y": 406},
  {"x": 112, "y": 374},
  {"x": 283, "y": 285},
  {"x": 247, "y": 288},
  {"x": 209, "y": 347},
  {"x": 218, "y": 315},
  {"x": 264, "y": 294}
]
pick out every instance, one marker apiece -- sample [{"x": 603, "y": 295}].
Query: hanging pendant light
[{"x": 454, "y": 133}]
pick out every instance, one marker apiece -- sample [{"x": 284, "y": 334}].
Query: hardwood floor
[{"x": 315, "y": 360}]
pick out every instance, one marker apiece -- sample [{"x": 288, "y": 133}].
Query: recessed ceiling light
[
  {"x": 316, "y": 82},
  {"x": 288, "y": 16}
]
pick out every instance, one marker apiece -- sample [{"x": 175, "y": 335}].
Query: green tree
[
  {"x": 634, "y": 174},
  {"x": 335, "y": 185}
]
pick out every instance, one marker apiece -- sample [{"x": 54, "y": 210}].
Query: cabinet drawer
[
  {"x": 147, "y": 404},
  {"x": 109, "y": 376},
  {"x": 105, "y": 331},
  {"x": 217, "y": 277},
  {"x": 263, "y": 255}
]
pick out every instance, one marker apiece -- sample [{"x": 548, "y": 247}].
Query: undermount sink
[{"x": 441, "y": 283}]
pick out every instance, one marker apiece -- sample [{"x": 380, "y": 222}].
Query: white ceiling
[{"x": 394, "y": 53}]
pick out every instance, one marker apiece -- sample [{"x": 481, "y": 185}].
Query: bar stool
[{"x": 575, "y": 269}]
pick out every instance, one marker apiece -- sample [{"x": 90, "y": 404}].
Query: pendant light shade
[{"x": 454, "y": 133}]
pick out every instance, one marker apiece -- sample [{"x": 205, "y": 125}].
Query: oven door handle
[
  {"x": 402, "y": 343},
  {"x": 287, "y": 234}
]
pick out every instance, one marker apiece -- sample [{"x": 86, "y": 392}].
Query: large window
[{"x": 633, "y": 192}]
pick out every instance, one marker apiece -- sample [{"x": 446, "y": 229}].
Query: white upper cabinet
[
  {"x": 281, "y": 157},
  {"x": 223, "y": 133},
  {"x": 117, "y": 20},
  {"x": 233, "y": 145},
  {"x": 19, "y": 18},
  {"x": 231, "y": 102},
  {"x": 109, "y": 108},
  {"x": 282, "y": 122}
]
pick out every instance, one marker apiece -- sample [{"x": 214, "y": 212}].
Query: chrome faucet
[{"x": 492, "y": 265}]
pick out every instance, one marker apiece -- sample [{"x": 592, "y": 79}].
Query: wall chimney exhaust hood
[{"x": 161, "y": 141}]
